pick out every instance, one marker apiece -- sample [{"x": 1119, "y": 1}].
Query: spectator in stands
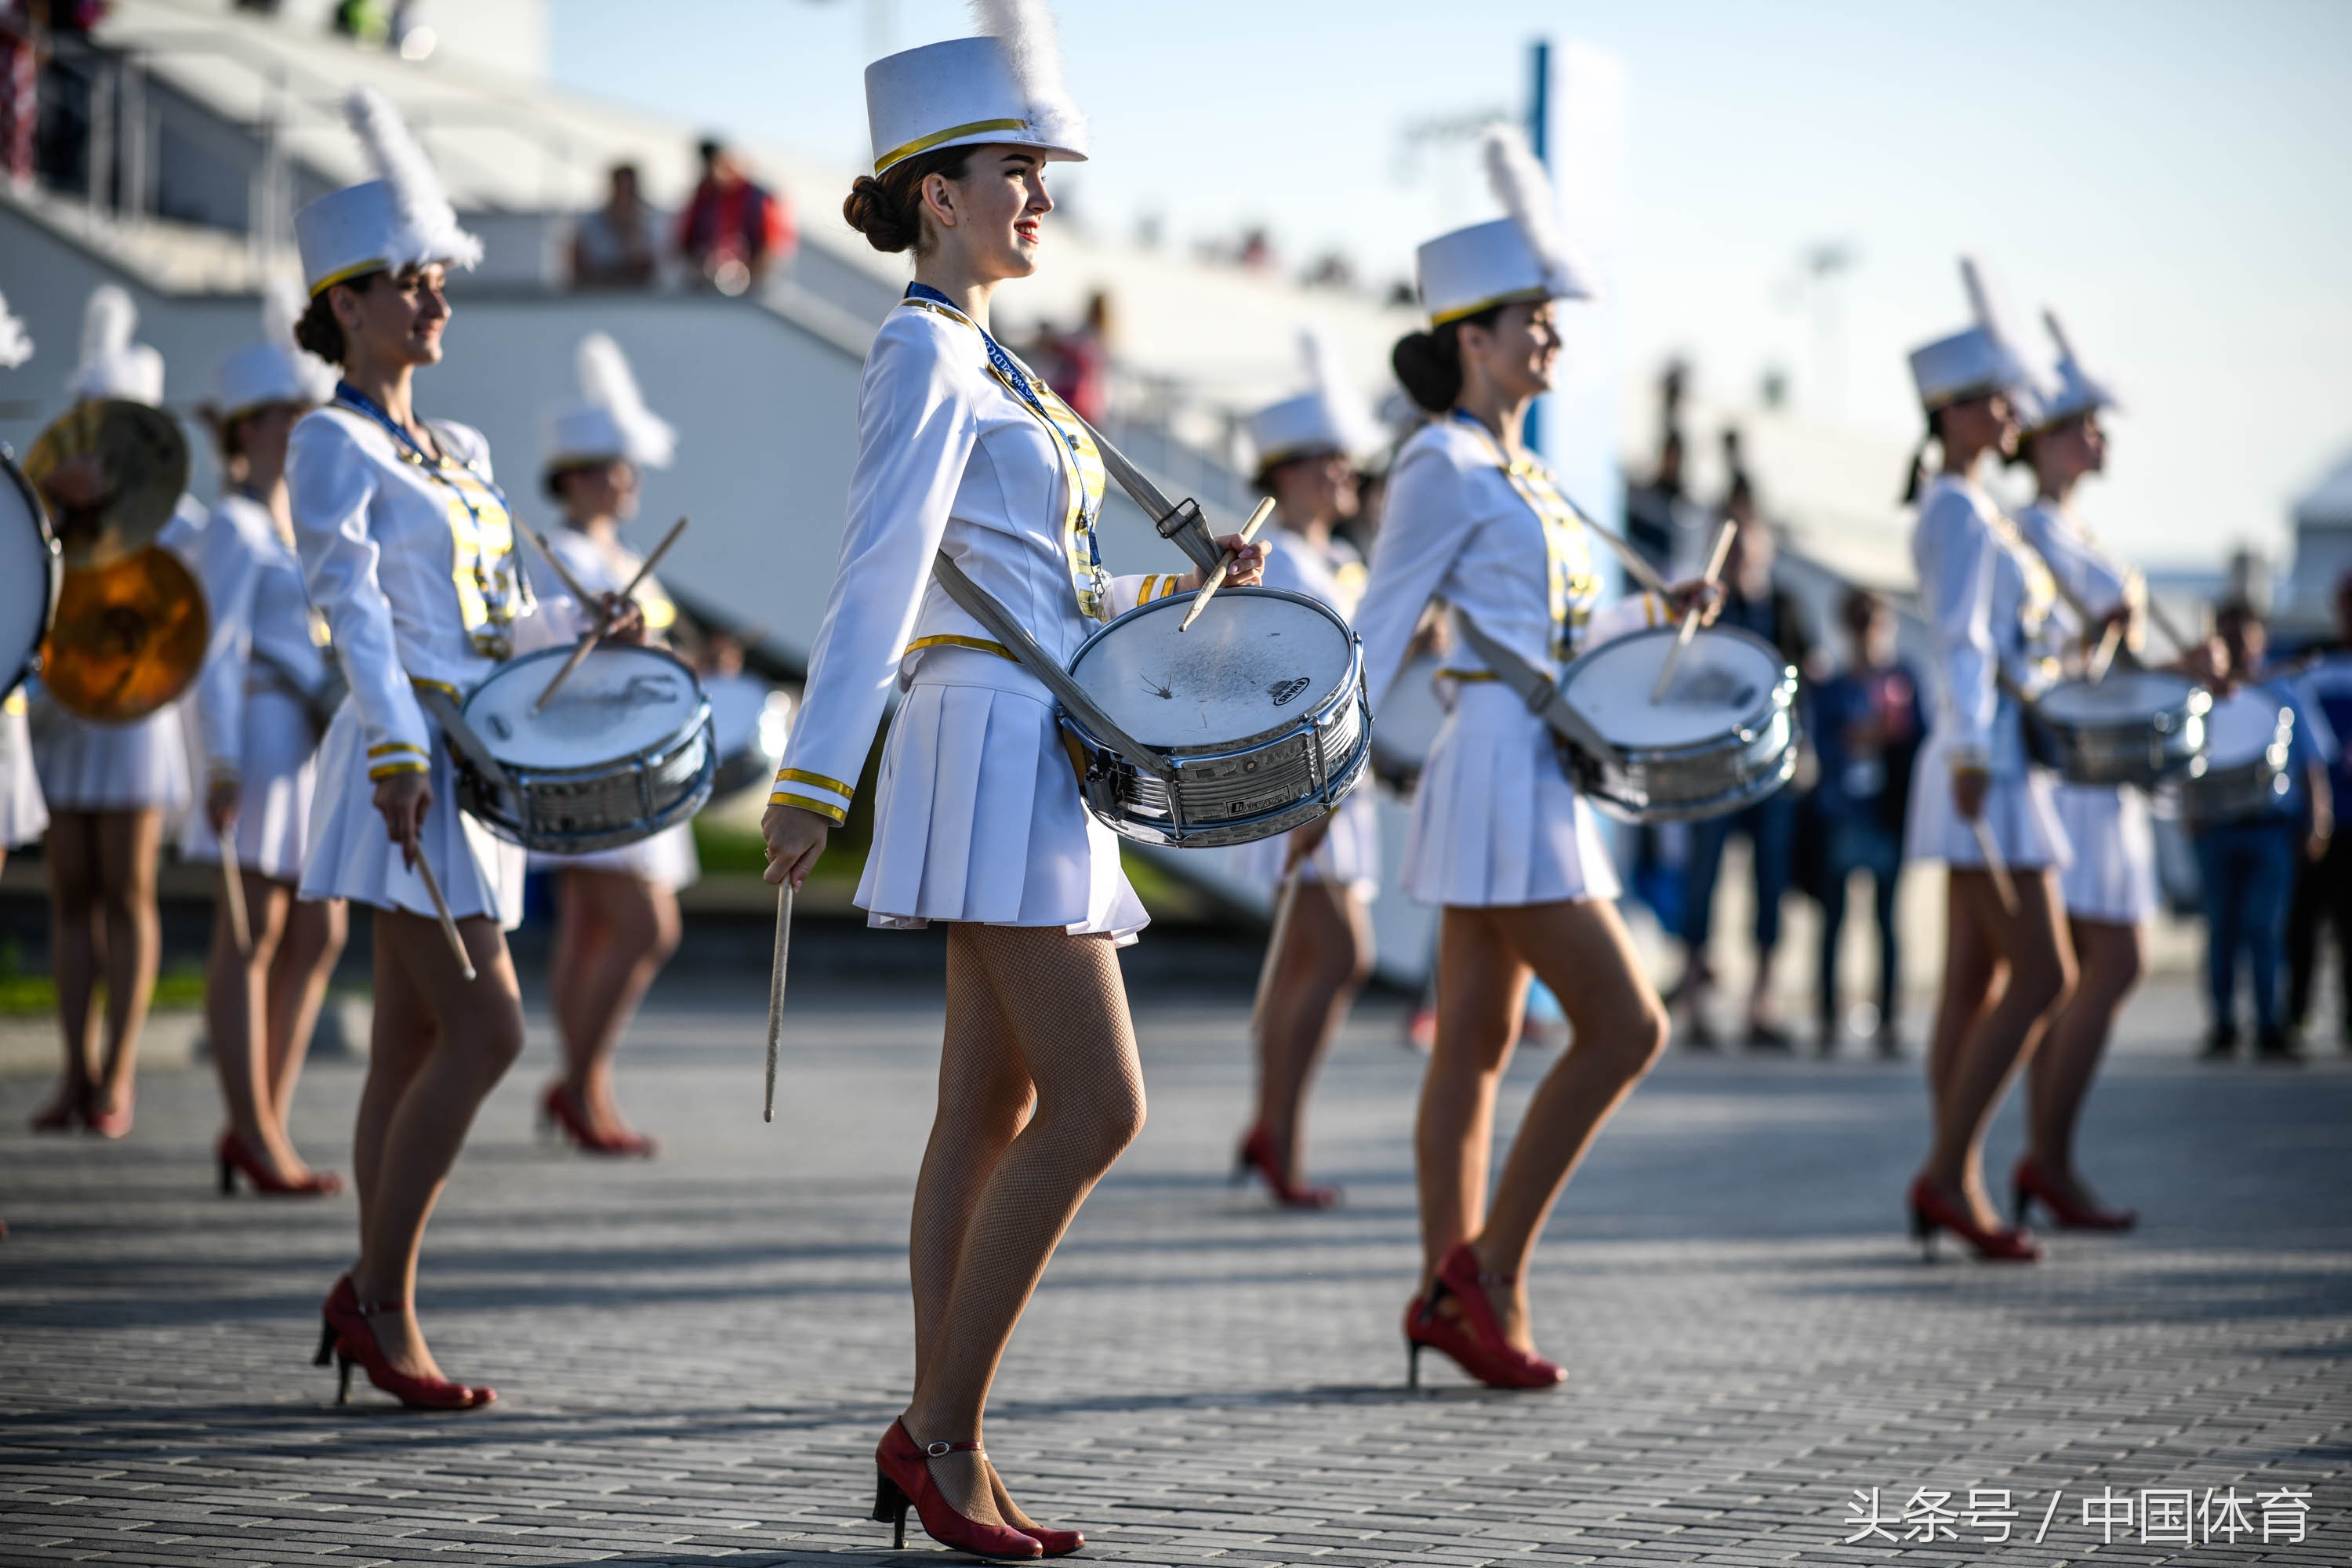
[
  {"x": 1659, "y": 514},
  {"x": 1866, "y": 723},
  {"x": 1078, "y": 362},
  {"x": 1751, "y": 603},
  {"x": 618, "y": 246},
  {"x": 2323, "y": 887},
  {"x": 2248, "y": 866},
  {"x": 734, "y": 232}
]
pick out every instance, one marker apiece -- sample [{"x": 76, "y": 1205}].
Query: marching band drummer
[
  {"x": 258, "y": 705},
  {"x": 110, "y": 788},
  {"x": 1972, "y": 789},
  {"x": 977, "y": 820},
  {"x": 2109, "y": 885},
  {"x": 408, "y": 548},
  {"x": 1501, "y": 838},
  {"x": 1306, "y": 448},
  {"x": 617, "y": 919},
  {"x": 24, "y": 816}
]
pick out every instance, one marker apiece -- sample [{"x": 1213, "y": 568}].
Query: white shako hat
[
  {"x": 16, "y": 343},
  {"x": 1330, "y": 416},
  {"x": 1522, "y": 256},
  {"x": 611, "y": 421},
  {"x": 273, "y": 370},
  {"x": 402, "y": 219},
  {"x": 112, "y": 365},
  {"x": 2067, "y": 390},
  {"x": 1975, "y": 363},
  {"x": 1004, "y": 86}
]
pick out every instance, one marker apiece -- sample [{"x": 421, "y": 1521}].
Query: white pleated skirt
[
  {"x": 977, "y": 815},
  {"x": 24, "y": 816},
  {"x": 1495, "y": 820},
  {"x": 85, "y": 766},
  {"x": 277, "y": 770},
  {"x": 666, "y": 860},
  {"x": 2021, "y": 809},
  {"x": 1350, "y": 855},
  {"x": 350, "y": 856},
  {"x": 2112, "y": 876}
]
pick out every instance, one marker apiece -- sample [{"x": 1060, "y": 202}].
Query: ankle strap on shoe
[
  {"x": 940, "y": 1450},
  {"x": 376, "y": 1308}
]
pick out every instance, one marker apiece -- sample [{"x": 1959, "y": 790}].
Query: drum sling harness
[
  {"x": 437, "y": 702},
  {"x": 1538, "y": 691},
  {"x": 983, "y": 607}
]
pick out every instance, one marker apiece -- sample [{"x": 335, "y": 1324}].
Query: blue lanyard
[
  {"x": 1011, "y": 370},
  {"x": 359, "y": 402}
]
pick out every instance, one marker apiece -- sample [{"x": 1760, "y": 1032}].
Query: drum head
[
  {"x": 2125, "y": 695},
  {"x": 737, "y": 701},
  {"x": 1255, "y": 660},
  {"x": 29, "y": 574},
  {"x": 1725, "y": 681},
  {"x": 622, "y": 701},
  {"x": 2241, "y": 727}
]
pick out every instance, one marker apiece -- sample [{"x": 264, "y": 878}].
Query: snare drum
[
  {"x": 623, "y": 751},
  {"x": 2243, "y": 771},
  {"x": 1260, "y": 707},
  {"x": 1405, "y": 730},
  {"x": 749, "y": 721},
  {"x": 2135, "y": 727},
  {"x": 30, "y": 573},
  {"x": 1724, "y": 737}
]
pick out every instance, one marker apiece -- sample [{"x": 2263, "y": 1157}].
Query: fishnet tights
[{"x": 1039, "y": 1089}]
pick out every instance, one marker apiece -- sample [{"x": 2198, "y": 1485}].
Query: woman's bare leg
[
  {"x": 2032, "y": 946},
  {"x": 236, "y": 1005},
  {"x": 1482, "y": 989},
  {"x": 1066, "y": 1008},
  {"x": 128, "y": 845},
  {"x": 439, "y": 1046},
  {"x": 297, "y": 989},
  {"x": 72, "y": 853},
  {"x": 628, "y": 929},
  {"x": 2111, "y": 959},
  {"x": 1972, "y": 969},
  {"x": 1326, "y": 956}
]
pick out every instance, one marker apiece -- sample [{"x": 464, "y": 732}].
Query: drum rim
[
  {"x": 1350, "y": 684},
  {"x": 1784, "y": 693},
  {"x": 700, "y": 718},
  {"x": 53, "y": 572},
  {"x": 2186, "y": 702}
]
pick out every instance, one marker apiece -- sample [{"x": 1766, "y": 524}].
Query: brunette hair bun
[
  {"x": 318, "y": 330},
  {"x": 888, "y": 209},
  {"x": 1428, "y": 365}
]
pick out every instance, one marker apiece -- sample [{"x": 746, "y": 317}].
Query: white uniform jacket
[
  {"x": 1495, "y": 819},
  {"x": 1989, "y": 599},
  {"x": 978, "y": 815}
]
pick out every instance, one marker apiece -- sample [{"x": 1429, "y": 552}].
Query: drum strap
[
  {"x": 1536, "y": 689},
  {"x": 438, "y": 702},
  {"x": 983, "y": 607}
]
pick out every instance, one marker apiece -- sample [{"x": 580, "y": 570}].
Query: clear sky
[{"x": 2175, "y": 178}]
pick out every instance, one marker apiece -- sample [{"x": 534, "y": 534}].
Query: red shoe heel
[
  {"x": 1256, "y": 1154},
  {"x": 236, "y": 1158},
  {"x": 904, "y": 1480},
  {"x": 2030, "y": 1181},
  {"x": 1930, "y": 1213},
  {"x": 1474, "y": 1341},
  {"x": 557, "y": 1110},
  {"x": 355, "y": 1343}
]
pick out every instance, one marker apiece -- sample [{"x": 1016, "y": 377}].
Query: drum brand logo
[{"x": 1284, "y": 690}]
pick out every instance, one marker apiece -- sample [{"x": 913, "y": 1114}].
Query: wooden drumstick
[
  {"x": 1996, "y": 865},
  {"x": 564, "y": 573},
  {"x": 233, "y": 892},
  {"x": 776, "y": 991},
  {"x": 595, "y": 634},
  {"x": 1217, "y": 578},
  {"x": 441, "y": 908},
  {"x": 2104, "y": 655},
  {"x": 1723, "y": 537},
  {"x": 1283, "y": 901},
  {"x": 1636, "y": 567}
]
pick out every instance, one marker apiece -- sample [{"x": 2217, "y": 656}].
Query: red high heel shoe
[
  {"x": 904, "y": 1477},
  {"x": 1050, "y": 1543},
  {"x": 234, "y": 1157},
  {"x": 1930, "y": 1213},
  {"x": 1257, "y": 1153},
  {"x": 110, "y": 1124},
  {"x": 557, "y": 1109},
  {"x": 66, "y": 1111},
  {"x": 349, "y": 1339},
  {"x": 1475, "y": 1341},
  {"x": 2030, "y": 1181}
]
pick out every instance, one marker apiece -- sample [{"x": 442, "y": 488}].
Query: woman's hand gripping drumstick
[
  {"x": 404, "y": 799},
  {"x": 1723, "y": 537},
  {"x": 617, "y": 615},
  {"x": 796, "y": 838},
  {"x": 1241, "y": 556},
  {"x": 1970, "y": 786},
  {"x": 221, "y": 804}
]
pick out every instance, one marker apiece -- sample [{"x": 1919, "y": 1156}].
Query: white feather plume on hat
[
  {"x": 606, "y": 379},
  {"x": 1033, "y": 45},
  {"x": 428, "y": 224},
  {"x": 111, "y": 365},
  {"x": 1349, "y": 414},
  {"x": 1519, "y": 183},
  {"x": 15, "y": 344},
  {"x": 282, "y": 304}
]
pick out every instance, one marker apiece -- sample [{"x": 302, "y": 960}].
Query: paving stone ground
[{"x": 696, "y": 1355}]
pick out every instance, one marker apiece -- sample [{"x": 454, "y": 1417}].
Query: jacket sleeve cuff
[
  {"x": 813, "y": 792},
  {"x": 397, "y": 757}
]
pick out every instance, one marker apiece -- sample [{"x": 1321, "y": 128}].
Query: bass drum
[
  {"x": 31, "y": 573},
  {"x": 1724, "y": 737}
]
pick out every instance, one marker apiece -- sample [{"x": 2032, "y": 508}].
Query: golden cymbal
[
  {"x": 111, "y": 472},
  {"x": 127, "y": 638}
]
